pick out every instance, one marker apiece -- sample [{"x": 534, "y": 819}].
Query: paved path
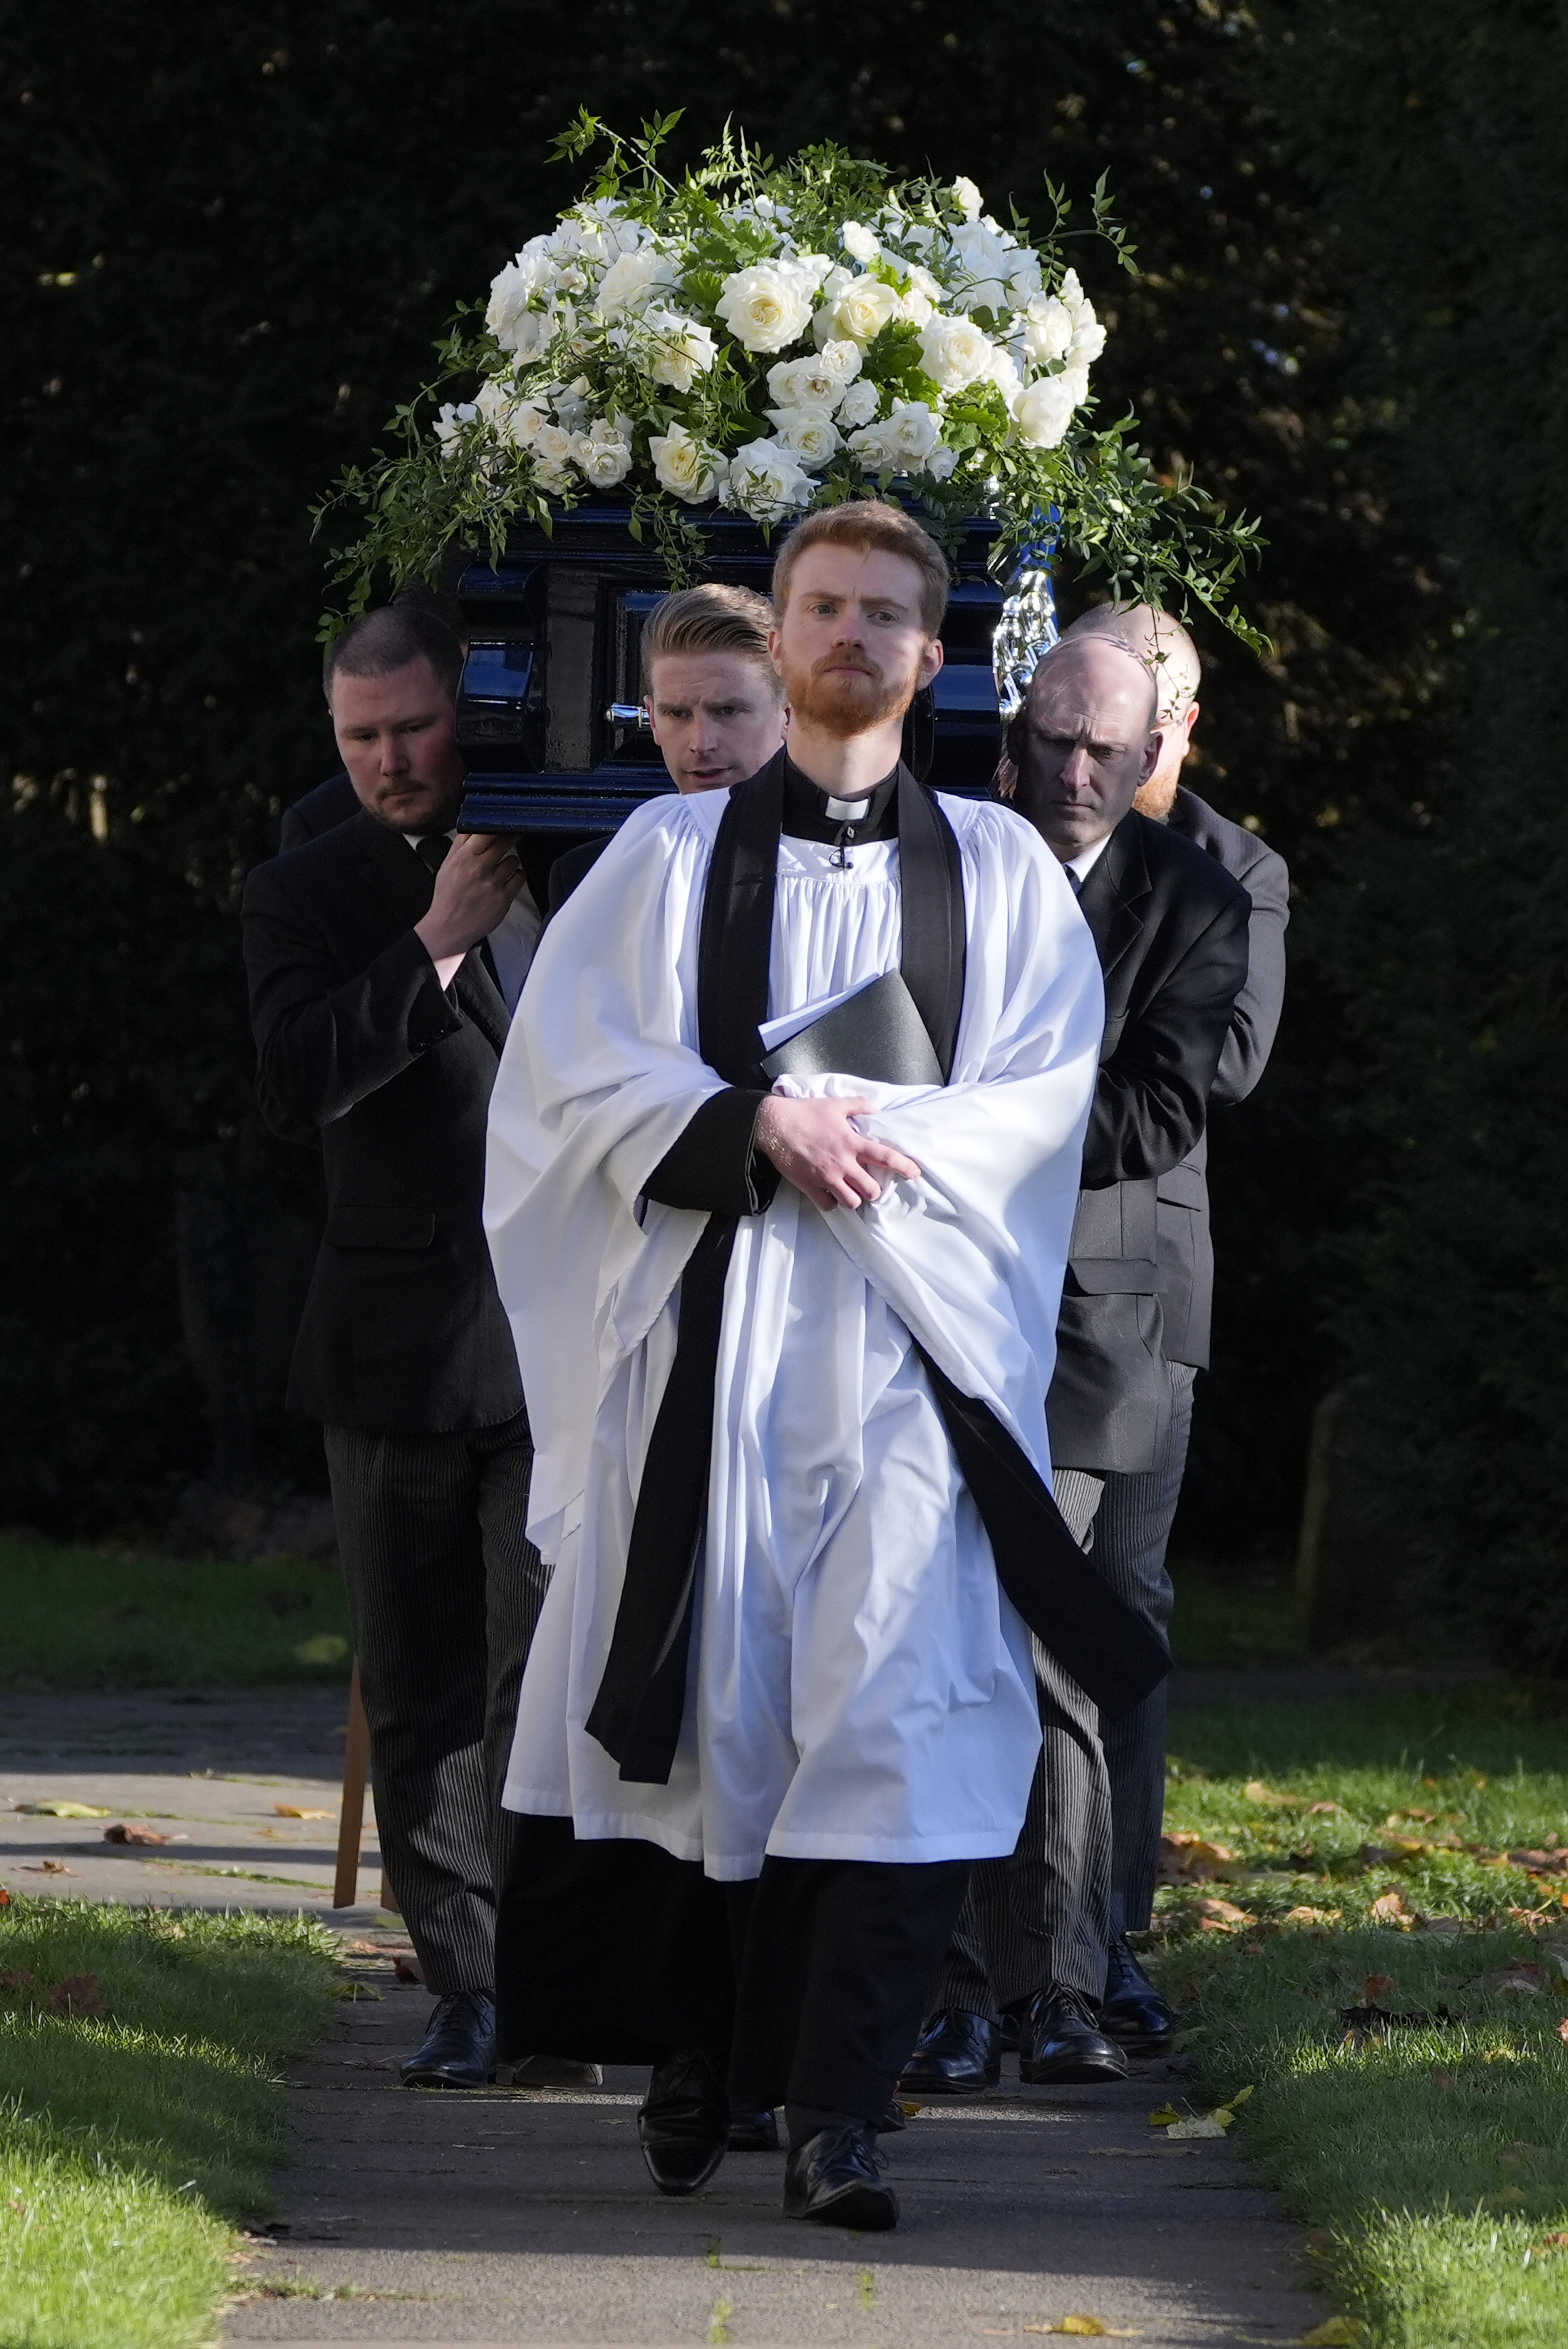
[
  {"x": 527, "y": 2217},
  {"x": 517, "y": 2216}
]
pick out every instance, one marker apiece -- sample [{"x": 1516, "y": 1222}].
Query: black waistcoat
[{"x": 1108, "y": 1648}]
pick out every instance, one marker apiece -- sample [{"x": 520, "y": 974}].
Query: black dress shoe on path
[
  {"x": 755, "y": 2132},
  {"x": 555, "y": 2072},
  {"x": 458, "y": 2049},
  {"x": 1133, "y": 2012},
  {"x": 957, "y": 2054},
  {"x": 836, "y": 2179},
  {"x": 683, "y": 2126},
  {"x": 1062, "y": 2044}
]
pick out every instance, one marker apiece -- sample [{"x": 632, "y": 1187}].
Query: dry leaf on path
[
  {"x": 46, "y": 1867},
  {"x": 357, "y": 1990},
  {"x": 293, "y": 1811},
  {"x": 125, "y": 1834},
  {"x": 62, "y": 1809},
  {"x": 1202, "y": 2125},
  {"x": 79, "y": 1995},
  {"x": 408, "y": 1970}
]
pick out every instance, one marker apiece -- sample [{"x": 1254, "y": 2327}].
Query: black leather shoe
[
  {"x": 957, "y": 2054},
  {"x": 894, "y": 2119},
  {"x": 1062, "y": 2043},
  {"x": 1133, "y": 2012},
  {"x": 683, "y": 2127},
  {"x": 459, "y": 2050},
  {"x": 755, "y": 2132},
  {"x": 836, "y": 2179},
  {"x": 555, "y": 2072}
]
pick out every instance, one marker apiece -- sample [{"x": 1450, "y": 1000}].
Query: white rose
[
  {"x": 1047, "y": 329},
  {"x": 1043, "y": 411},
  {"x": 986, "y": 260},
  {"x": 940, "y": 462},
  {"x": 1003, "y": 373},
  {"x": 862, "y": 310},
  {"x": 570, "y": 402},
  {"x": 513, "y": 290},
  {"x": 858, "y": 405},
  {"x": 915, "y": 306},
  {"x": 553, "y": 466},
  {"x": 682, "y": 466},
  {"x": 808, "y": 433},
  {"x": 682, "y": 349},
  {"x": 1088, "y": 337},
  {"x": 953, "y": 352},
  {"x": 765, "y": 306},
  {"x": 903, "y": 440},
  {"x": 966, "y": 195},
  {"x": 858, "y": 243},
  {"x": 450, "y": 422},
  {"x": 765, "y": 481},
  {"x": 1023, "y": 275},
  {"x": 635, "y": 279},
  {"x": 872, "y": 447},
  {"x": 604, "y": 452},
  {"x": 814, "y": 383}
]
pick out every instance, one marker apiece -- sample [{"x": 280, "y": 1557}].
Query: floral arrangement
[{"x": 768, "y": 339}]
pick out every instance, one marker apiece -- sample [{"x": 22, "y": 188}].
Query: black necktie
[
  {"x": 433, "y": 852},
  {"x": 1072, "y": 877}
]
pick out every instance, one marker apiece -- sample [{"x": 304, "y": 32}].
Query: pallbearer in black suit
[
  {"x": 385, "y": 959},
  {"x": 1170, "y": 928},
  {"x": 787, "y": 1372},
  {"x": 1133, "y": 1521}
]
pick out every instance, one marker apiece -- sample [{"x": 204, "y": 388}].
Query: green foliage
[
  {"x": 128, "y": 2141},
  {"x": 1431, "y": 2157}
]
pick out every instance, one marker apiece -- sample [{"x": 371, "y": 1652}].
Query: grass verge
[
  {"x": 101, "y": 1619},
  {"x": 1369, "y": 1927},
  {"x": 141, "y": 2111}
]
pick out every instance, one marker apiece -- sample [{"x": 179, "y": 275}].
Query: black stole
[{"x": 1108, "y": 1649}]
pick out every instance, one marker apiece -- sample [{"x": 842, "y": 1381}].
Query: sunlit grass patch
[
  {"x": 131, "y": 2137},
  {"x": 1357, "y": 1942}
]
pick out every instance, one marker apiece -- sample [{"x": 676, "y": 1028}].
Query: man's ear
[
  {"x": 930, "y": 661},
  {"x": 1151, "y": 751}
]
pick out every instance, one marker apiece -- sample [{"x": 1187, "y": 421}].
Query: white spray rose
[
  {"x": 808, "y": 433},
  {"x": 966, "y": 195},
  {"x": 915, "y": 306},
  {"x": 450, "y": 422},
  {"x": 858, "y": 405},
  {"x": 682, "y": 349},
  {"x": 765, "y": 306},
  {"x": 953, "y": 352},
  {"x": 862, "y": 309},
  {"x": 1045, "y": 409},
  {"x": 570, "y": 402},
  {"x": 1004, "y": 372},
  {"x": 513, "y": 288},
  {"x": 940, "y": 462},
  {"x": 903, "y": 440},
  {"x": 1047, "y": 329},
  {"x": 682, "y": 466},
  {"x": 858, "y": 243},
  {"x": 991, "y": 270},
  {"x": 765, "y": 481},
  {"x": 1088, "y": 335},
  {"x": 635, "y": 279},
  {"x": 553, "y": 466},
  {"x": 603, "y": 450},
  {"x": 814, "y": 383}
]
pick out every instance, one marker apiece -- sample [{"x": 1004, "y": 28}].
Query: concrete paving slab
[
  {"x": 213, "y": 1772},
  {"x": 512, "y": 2217}
]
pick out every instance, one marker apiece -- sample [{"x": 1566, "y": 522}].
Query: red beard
[{"x": 843, "y": 702}]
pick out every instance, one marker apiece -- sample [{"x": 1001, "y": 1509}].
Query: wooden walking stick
[{"x": 352, "y": 1818}]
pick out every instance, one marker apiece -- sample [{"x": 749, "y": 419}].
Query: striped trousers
[
  {"x": 444, "y": 1588},
  {"x": 1088, "y": 1857}
]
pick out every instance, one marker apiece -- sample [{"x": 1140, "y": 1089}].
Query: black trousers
[
  {"x": 809, "y": 1983},
  {"x": 444, "y": 1589}
]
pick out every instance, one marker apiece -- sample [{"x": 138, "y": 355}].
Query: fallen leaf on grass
[
  {"x": 79, "y": 1995},
  {"x": 1526, "y": 1978},
  {"x": 1506, "y": 2197},
  {"x": 63, "y": 1810},
  {"x": 1325, "y": 1810},
  {"x": 1389, "y": 1909},
  {"x": 1215, "y": 1916},
  {"x": 1192, "y": 1858},
  {"x": 1442, "y": 1925},
  {"x": 1556, "y": 2242},
  {"x": 1540, "y": 1863},
  {"x": 1375, "y": 1984},
  {"x": 124, "y": 1834},
  {"x": 1309, "y": 1917},
  {"x": 293, "y": 1811},
  {"x": 18, "y": 1978},
  {"x": 1256, "y": 1792},
  {"x": 1339, "y": 2333},
  {"x": 327, "y": 1648}
]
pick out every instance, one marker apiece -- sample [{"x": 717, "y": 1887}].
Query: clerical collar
[{"x": 812, "y": 813}]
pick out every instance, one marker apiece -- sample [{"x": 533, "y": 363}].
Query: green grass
[
  {"x": 129, "y": 2143},
  {"x": 103, "y": 1618},
  {"x": 1432, "y": 2159}
]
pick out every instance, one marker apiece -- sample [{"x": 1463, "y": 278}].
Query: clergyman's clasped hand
[{"x": 815, "y": 1147}]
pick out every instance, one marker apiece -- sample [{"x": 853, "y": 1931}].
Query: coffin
[{"x": 546, "y": 712}]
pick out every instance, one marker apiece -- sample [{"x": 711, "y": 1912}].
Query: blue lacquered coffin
[{"x": 544, "y": 712}]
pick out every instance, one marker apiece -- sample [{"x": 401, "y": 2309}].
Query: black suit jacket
[
  {"x": 403, "y": 1330},
  {"x": 1186, "y": 1249},
  {"x": 322, "y": 810},
  {"x": 1170, "y": 925},
  {"x": 570, "y": 867}
]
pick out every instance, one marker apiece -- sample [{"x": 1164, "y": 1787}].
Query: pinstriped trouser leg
[
  {"x": 1043, "y": 1915},
  {"x": 1132, "y": 1528},
  {"x": 443, "y": 1592}
]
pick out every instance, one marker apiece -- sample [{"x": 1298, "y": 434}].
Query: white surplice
[{"x": 860, "y": 1686}]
